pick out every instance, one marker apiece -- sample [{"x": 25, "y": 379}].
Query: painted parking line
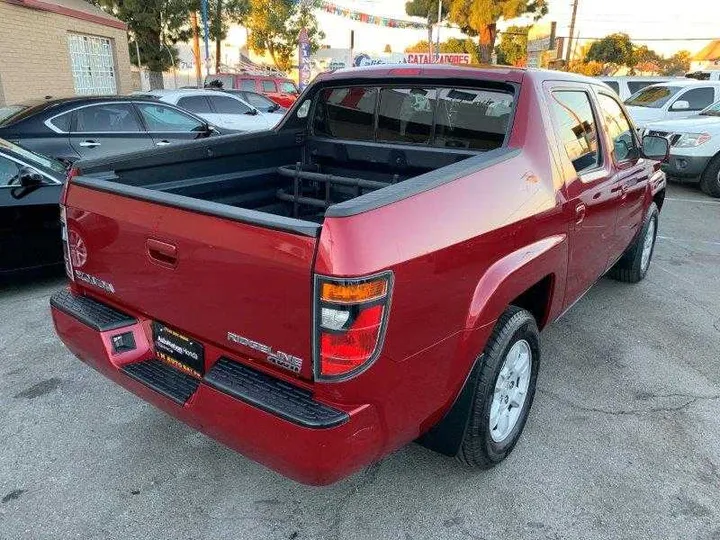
[
  {"x": 674, "y": 199},
  {"x": 688, "y": 240}
]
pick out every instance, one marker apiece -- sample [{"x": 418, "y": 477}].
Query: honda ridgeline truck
[{"x": 373, "y": 271}]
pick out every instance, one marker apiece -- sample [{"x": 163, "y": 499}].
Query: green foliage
[
  {"x": 615, "y": 49},
  {"x": 154, "y": 24},
  {"x": 677, "y": 64},
  {"x": 512, "y": 49},
  {"x": 427, "y": 9},
  {"x": 480, "y": 17},
  {"x": 275, "y": 25},
  {"x": 232, "y": 11}
]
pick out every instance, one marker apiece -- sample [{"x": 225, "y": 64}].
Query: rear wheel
[
  {"x": 505, "y": 390},
  {"x": 633, "y": 266},
  {"x": 710, "y": 181}
]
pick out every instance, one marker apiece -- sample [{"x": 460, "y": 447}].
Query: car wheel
[
  {"x": 710, "y": 181},
  {"x": 633, "y": 266},
  {"x": 504, "y": 392}
]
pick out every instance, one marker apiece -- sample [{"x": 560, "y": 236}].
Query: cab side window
[
  {"x": 698, "y": 98},
  {"x": 576, "y": 127},
  {"x": 619, "y": 128}
]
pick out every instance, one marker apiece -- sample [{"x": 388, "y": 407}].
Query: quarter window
[
  {"x": 346, "y": 113},
  {"x": 248, "y": 85},
  {"x": 9, "y": 171},
  {"x": 93, "y": 65},
  {"x": 62, "y": 122},
  {"x": 196, "y": 104},
  {"x": 162, "y": 118},
  {"x": 619, "y": 128},
  {"x": 576, "y": 126},
  {"x": 698, "y": 98},
  {"x": 107, "y": 118},
  {"x": 616, "y": 86},
  {"x": 288, "y": 87},
  {"x": 269, "y": 86}
]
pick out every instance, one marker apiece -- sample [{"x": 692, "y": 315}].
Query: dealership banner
[{"x": 443, "y": 58}]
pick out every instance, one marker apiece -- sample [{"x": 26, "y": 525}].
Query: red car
[
  {"x": 281, "y": 90},
  {"x": 374, "y": 271}
]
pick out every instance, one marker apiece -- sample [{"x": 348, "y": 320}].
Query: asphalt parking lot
[{"x": 623, "y": 440}]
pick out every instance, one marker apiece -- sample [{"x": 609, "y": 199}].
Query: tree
[
  {"x": 613, "y": 51},
  {"x": 480, "y": 17},
  {"x": 155, "y": 26},
  {"x": 429, "y": 10},
  {"x": 512, "y": 49},
  {"x": 275, "y": 25},
  {"x": 677, "y": 64}
]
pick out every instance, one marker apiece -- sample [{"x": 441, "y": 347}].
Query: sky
[{"x": 595, "y": 18}]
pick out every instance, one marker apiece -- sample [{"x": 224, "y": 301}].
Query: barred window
[{"x": 93, "y": 65}]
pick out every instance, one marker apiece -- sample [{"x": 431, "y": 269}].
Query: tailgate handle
[{"x": 162, "y": 253}]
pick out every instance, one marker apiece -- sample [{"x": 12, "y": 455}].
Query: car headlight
[{"x": 690, "y": 140}]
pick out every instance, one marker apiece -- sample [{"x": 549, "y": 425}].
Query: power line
[{"x": 631, "y": 38}]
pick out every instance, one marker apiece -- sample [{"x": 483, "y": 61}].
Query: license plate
[{"x": 178, "y": 350}]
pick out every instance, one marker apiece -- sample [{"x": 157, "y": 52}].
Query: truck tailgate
[{"x": 232, "y": 286}]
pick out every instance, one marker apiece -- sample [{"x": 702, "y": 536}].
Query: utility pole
[
  {"x": 568, "y": 53},
  {"x": 196, "y": 48},
  {"x": 218, "y": 48},
  {"x": 437, "y": 45},
  {"x": 206, "y": 31}
]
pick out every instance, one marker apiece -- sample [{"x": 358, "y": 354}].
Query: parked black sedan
[
  {"x": 30, "y": 187},
  {"x": 96, "y": 126}
]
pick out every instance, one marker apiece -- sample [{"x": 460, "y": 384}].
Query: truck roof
[{"x": 437, "y": 71}]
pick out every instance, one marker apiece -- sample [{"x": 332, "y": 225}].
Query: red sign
[{"x": 445, "y": 58}]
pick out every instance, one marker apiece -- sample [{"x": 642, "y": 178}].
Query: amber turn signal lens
[{"x": 353, "y": 293}]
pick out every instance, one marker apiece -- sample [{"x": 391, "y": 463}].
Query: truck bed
[{"x": 276, "y": 174}]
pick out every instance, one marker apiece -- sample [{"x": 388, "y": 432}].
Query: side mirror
[
  {"x": 680, "y": 105},
  {"x": 655, "y": 148},
  {"x": 30, "y": 178}
]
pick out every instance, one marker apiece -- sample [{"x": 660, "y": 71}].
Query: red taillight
[{"x": 351, "y": 316}]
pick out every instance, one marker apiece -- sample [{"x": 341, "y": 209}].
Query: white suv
[
  {"x": 694, "y": 147},
  {"x": 671, "y": 100}
]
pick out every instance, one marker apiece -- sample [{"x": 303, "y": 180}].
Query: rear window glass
[
  {"x": 406, "y": 115},
  {"x": 346, "y": 113},
  {"x": 468, "y": 118},
  {"x": 473, "y": 119},
  {"x": 219, "y": 81},
  {"x": 636, "y": 86},
  {"x": 269, "y": 86}
]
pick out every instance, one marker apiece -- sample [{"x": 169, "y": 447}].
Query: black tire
[
  {"x": 630, "y": 267},
  {"x": 478, "y": 449},
  {"x": 710, "y": 181}
]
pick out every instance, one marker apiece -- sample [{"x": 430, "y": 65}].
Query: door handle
[
  {"x": 89, "y": 144},
  {"x": 164, "y": 142},
  {"x": 162, "y": 253},
  {"x": 580, "y": 210}
]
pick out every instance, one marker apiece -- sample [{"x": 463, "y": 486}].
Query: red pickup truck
[{"x": 374, "y": 271}]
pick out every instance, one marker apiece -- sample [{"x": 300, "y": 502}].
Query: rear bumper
[{"x": 267, "y": 420}]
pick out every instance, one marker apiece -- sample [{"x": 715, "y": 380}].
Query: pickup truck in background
[{"x": 373, "y": 271}]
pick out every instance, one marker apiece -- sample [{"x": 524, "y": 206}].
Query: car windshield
[
  {"x": 32, "y": 157},
  {"x": 712, "y": 110},
  {"x": 653, "y": 97},
  {"x": 6, "y": 113}
]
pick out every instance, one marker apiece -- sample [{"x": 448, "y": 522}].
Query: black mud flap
[{"x": 446, "y": 436}]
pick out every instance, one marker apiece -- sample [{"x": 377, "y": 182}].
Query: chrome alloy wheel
[
  {"x": 510, "y": 390},
  {"x": 648, "y": 246}
]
